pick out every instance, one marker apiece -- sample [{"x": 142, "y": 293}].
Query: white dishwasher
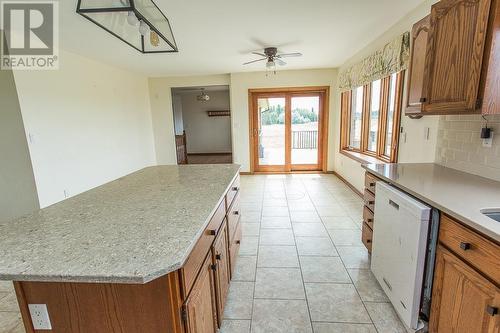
[{"x": 399, "y": 250}]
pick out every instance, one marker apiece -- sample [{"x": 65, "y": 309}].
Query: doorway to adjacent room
[{"x": 202, "y": 123}]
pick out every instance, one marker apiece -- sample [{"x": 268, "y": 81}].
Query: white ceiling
[{"x": 217, "y": 36}]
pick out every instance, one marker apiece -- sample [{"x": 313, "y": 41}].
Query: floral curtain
[{"x": 392, "y": 58}]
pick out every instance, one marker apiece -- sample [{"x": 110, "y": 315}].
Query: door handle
[
  {"x": 393, "y": 204},
  {"x": 492, "y": 311}
]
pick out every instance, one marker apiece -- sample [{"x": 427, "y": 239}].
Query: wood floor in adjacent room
[{"x": 210, "y": 158}]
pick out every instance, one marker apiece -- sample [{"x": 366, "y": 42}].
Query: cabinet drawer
[
  {"x": 472, "y": 247},
  {"x": 234, "y": 248},
  {"x": 233, "y": 190},
  {"x": 367, "y": 236},
  {"x": 369, "y": 199},
  {"x": 368, "y": 216},
  {"x": 370, "y": 181},
  {"x": 195, "y": 260},
  {"x": 233, "y": 216}
]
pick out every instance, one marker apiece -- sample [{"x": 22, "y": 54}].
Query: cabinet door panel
[
  {"x": 454, "y": 55},
  {"x": 419, "y": 35},
  {"x": 200, "y": 305},
  {"x": 221, "y": 261},
  {"x": 461, "y": 298}
]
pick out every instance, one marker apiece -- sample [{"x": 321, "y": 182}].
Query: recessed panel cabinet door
[
  {"x": 454, "y": 56},
  {"x": 221, "y": 261},
  {"x": 462, "y": 299},
  {"x": 200, "y": 305},
  {"x": 419, "y": 34}
]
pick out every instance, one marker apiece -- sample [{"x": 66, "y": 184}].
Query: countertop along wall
[
  {"x": 88, "y": 123},
  {"x": 414, "y": 147}
]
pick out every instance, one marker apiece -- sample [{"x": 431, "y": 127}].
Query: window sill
[{"x": 362, "y": 158}]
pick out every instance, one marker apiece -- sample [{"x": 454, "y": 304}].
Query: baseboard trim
[
  {"x": 209, "y": 154},
  {"x": 346, "y": 182}
]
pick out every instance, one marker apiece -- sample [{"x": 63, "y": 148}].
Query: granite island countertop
[
  {"x": 458, "y": 194},
  {"x": 131, "y": 230}
]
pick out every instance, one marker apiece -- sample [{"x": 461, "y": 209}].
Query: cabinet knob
[
  {"x": 371, "y": 202},
  {"x": 492, "y": 311},
  {"x": 235, "y": 188},
  {"x": 238, "y": 242},
  {"x": 372, "y": 184},
  {"x": 213, "y": 267},
  {"x": 369, "y": 220},
  {"x": 212, "y": 232},
  {"x": 218, "y": 256},
  {"x": 465, "y": 246},
  {"x": 236, "y": 212},
  {"x": 423, "y": 99},
  {"x": 368, "y": 241}
]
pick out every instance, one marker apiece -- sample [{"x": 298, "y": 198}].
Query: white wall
[
  {"x": 160, "y": 92},
  {"x": 241, "y": 82},
  {"x": 89, "y": 123},
  {"x": 206, "y": 134},
  {"x": 18, "y": 194},
  {"x": 413, "y": 146},
  {"x": 177, "y": 109}
]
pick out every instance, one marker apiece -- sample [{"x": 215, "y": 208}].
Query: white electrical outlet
[{"x": 40, "y": 316}]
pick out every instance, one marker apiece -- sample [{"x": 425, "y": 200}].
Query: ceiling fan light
[
  {"x": 132, "y": 19},
  {"x": 270, "y": 64}
]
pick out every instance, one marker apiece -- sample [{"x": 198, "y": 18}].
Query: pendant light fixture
[
  {"x": 203, "y": 97},
  {"x": 139, "y": 23}
]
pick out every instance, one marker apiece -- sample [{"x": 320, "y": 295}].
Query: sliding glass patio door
[{"x": 287, "y": 130}]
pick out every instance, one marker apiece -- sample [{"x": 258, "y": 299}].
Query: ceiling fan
[{"x": 273, "y": 57}]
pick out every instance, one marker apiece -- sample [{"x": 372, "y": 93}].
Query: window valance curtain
[{"x": 392, "y": 58}]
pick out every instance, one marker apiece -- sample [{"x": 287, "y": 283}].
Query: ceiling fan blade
[
  {"x": 279, "y": 61},
  {"x": 251, "y": 62},
  {"x": 259, "y": 54},
  {"x": 289, "y": 55}
]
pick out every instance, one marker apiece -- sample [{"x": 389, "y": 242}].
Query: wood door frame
[{"x": 322, "y": 127}]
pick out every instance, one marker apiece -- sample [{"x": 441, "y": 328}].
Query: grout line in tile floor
[
  {"x": 257, "y": 258},
  {"x": 343, "y": 263},
  {"x": 300, "y": 265}
]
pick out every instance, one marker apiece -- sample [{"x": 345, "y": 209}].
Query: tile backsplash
[{"x": 459, "y": 145}]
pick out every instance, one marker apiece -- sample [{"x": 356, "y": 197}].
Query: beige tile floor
[{"x": 302, "y": 266}]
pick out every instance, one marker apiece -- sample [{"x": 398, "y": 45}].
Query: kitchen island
[{"x": 149, "y": 252}]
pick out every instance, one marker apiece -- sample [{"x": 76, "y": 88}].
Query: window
[
  {"x": 373, "y": 115},
  {"x": 356, "y": 117},
  {"x": 370, "y": 118}
]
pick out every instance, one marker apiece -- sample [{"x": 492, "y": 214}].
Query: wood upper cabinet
[
  {"x": 220, "y": 254},
  {"x": 200, "y": 308},
  {"x": 419, "y": 34},
  {"x": 491, "y": 69},
  {"x": 454, "y": 56},
  {"x": 463, "y": 300}
]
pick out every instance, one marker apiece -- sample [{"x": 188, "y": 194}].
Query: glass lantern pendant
[{"x": 139, "y": 23}]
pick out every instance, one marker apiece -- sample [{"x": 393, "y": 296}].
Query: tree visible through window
[{"x": 370, "y": 118}]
